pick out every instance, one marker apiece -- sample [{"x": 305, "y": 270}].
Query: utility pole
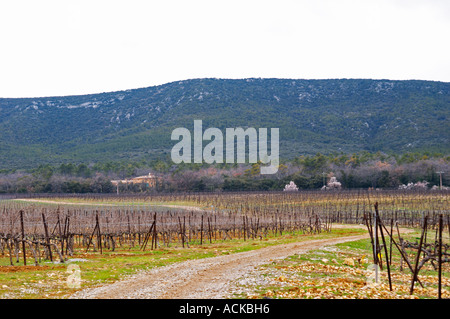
[
  {"x": 440, "y": 178},
  {"x": 323, "y": 174}
]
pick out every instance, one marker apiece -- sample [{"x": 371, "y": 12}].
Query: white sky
[{"x": 50, "y": 48}]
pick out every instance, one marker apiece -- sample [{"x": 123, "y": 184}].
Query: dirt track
[{"x": 208, "y": 278}]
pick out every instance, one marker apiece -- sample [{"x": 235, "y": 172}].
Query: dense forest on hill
[{"x": 326, "y": 116}]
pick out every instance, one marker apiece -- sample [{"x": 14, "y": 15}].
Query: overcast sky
[{"x": 69, "y": 47}]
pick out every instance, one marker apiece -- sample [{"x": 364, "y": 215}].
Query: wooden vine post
[
  {"x": 23, "y": 238},
  {"x": 47, "y": 239},
  {"x": 414, "y": 276}
]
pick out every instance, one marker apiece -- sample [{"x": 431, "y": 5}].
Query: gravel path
[{"x": 207, "y": 278}]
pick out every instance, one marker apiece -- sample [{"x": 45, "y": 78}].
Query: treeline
[
  {"x": 358, "y": 170},
  {"x": 363, "y": 170},
  {"x": 66, "y": 178}
]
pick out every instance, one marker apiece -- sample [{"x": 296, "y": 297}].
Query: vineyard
[{"x": 54, "y": 227}]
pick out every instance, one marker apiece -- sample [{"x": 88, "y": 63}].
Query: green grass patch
[{"x": 49, "y": 280}]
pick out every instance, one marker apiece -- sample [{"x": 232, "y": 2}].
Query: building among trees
[{"x": 150, "y": 180}]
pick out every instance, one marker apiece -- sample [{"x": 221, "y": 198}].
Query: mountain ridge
[{"x": 330, "y": 115}]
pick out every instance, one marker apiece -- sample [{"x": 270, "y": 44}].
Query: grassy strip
[
  {"x": 107, "y": 203},
  {"x": 50, "y": 280}
]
